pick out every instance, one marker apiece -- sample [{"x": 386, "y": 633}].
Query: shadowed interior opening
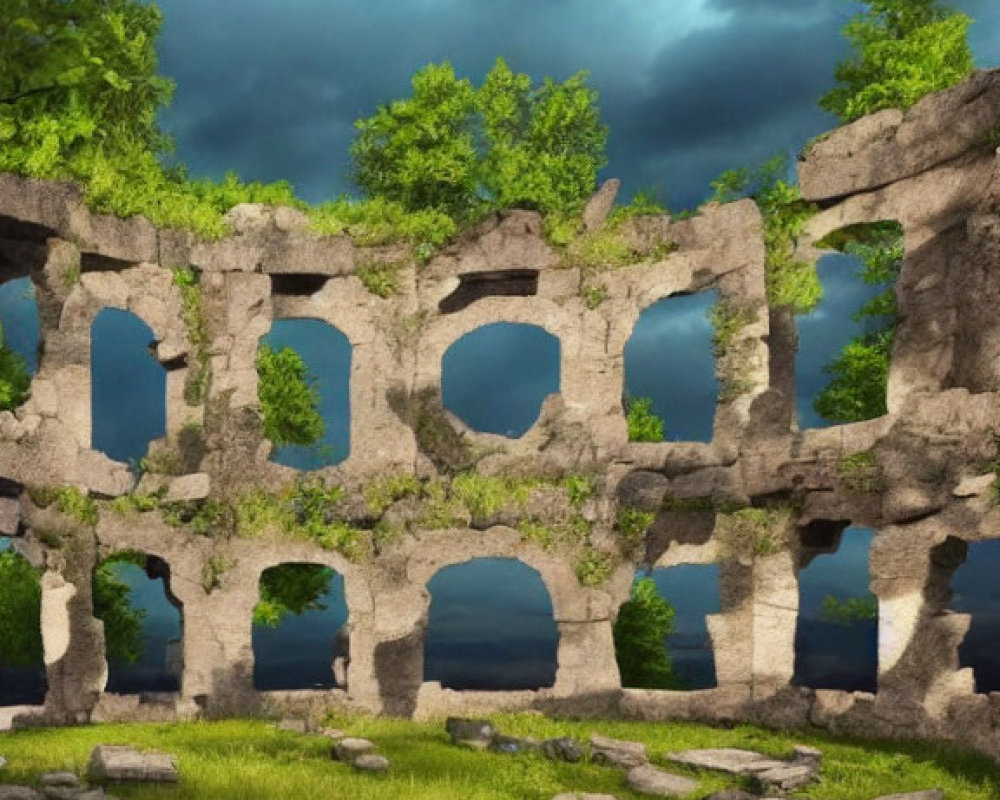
[
  {"x": 976, "y": 591},
  {"x": 490, "y": 627},
  {"x": 475, "y": 286}
]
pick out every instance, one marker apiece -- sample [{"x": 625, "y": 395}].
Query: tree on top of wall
[{"x": 903, "y": 50}]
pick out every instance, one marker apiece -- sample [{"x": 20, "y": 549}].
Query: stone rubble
[
  {"x": 649, "y": 780},
  {"x": 123, "y": 763},
  {"x": 616, "y": 752}
]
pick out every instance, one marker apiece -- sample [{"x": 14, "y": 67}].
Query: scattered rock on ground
[
  {"x": 64, "y": 779},
  {"x": 734, "y": 794},
  {"x": 583, "y": 796},
  {"x": 788, "y": 776},
  {"x": 616, "y": 752},
  {"x": 476, "y": 733},
  {"x": 513, "y": 745},
  {"x": 563, "y": 749},
  {"x": 122, "y": 763},
  {"x": 927, "y": 794},
  {"x": 802, "y": 752},
  {"x": 727, "y": 759},
  {"x": 351, "y": 749},
  {"x": 647, "y": 779},
  {"x": 371, "y": 762},
  {"x": 18, "y": 793}
]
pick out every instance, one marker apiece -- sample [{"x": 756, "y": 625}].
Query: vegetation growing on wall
[
  {"x": 289, "y": 400},
  {"x": 68, "y": 500},
  {"x": 859, "y": 374},
  {"x": 188, "y": 283},
  {"x": 902, "y": 50},
  {"x": 643, "y": 424},
  {"x": 112, "y": 604},
  {"x": 15, "y": 380},
  {"x": 20, "y": 609},
  {"x": 640, "y": 632},
  {"x": 290, "y": 589}
]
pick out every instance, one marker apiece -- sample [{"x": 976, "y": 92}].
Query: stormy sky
[{"x": 688, "y": 87}]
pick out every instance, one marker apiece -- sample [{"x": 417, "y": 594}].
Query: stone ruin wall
[{"x": 934, "y": 169}]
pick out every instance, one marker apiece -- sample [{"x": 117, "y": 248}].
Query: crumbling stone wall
[{"x": 934, "y": 169}]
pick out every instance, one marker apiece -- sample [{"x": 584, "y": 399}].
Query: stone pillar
[{"x": 775, "y": 613}]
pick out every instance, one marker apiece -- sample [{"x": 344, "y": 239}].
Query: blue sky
[{"x": 688, "y": 87}]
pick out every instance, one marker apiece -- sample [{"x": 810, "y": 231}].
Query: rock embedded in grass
[
  {"x": 65, "y": 780},
  {"x": 371, "y": 762},
  {"x": 927, "y": 794},
  {"x": 563, "y": 749},
  {"x": 512, "y": 745},
  {"x": 617, "y": 752},
  {"x": 583, "y": 796},
  {"x": 351, "y": 749},
  {"x": 477, "y": 733},
  {"x": 123, "y": 763},
  {"x": 19, "y": 793},
  {"x": 647, "y": 779}
]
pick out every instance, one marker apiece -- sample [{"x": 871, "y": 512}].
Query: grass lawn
[{"x": 251, "y": 759}]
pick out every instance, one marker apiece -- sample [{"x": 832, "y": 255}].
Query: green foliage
[
  {"x": 421, "y": 151},
  {"x": 485, "y": 495},
  {"x": 861, "y": 473},
  {"x": 204, "y": 517},
  {"x": 593, "y": 296},
  {"x": 728, "y": 318},
  {"x": 632, "y": 523},
  {"x": 750, "y": 532},
  {"x": 214, "y": 568},
  {"x": 902, "y": 50},
  {"x": 640, "y": 631},
  {"x": 550, "y": 534},
  {"x": 849, "y": 611},
  {"x": 594, "y": 567},
  {"x": 198, "y": 375},
  {"x": 79, "y": 98},
  {"x": 68, "y": 500},
  {"x": 112, "y": 605},
  {"x": 544, "y": 144},
  {"x": 15, "y": 380},
  {"x": 290, "y": 589},
  {"x": 859, "y": 374},
  {"x": 643, "y": 424},
  {"x": 579, "y": 489},
  {"x": 790, "y": 283},
  {"x": 387, "y": 489},
  {"x": 380, "y": 278},
  {"x": 288, "y": 400},
  {"x": 133, "y": 503},
  {"x": 378, "y": 221},
  {"x": 20, "y": 610}
]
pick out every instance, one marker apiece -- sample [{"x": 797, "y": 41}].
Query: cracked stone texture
[{"x": 930, "y": 495}]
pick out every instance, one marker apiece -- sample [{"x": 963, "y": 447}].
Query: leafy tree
[
  {"x": 112, "y": 605},
  {"x": 849, "y": 611},
  {"x": 859, "y": 374},
  {"x": 290, "y": 589},
  {"x": 903, "y": 50},
  {"x": 544, "y": 144},
  {"x": 288, "y": 399},
  {"x": 20, "y": 610},
  {"x": 643, "y": 623},
  {"x": 458, "y": 150},
  {"x": 15, "y": 380}
]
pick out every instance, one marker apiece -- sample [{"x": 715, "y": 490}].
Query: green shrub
[
  {"x": 632, "y": 523},
  {"x": 485, "y": 495},
  {"x": 198, "y": 375},
  {"x": 728, "y": 318},
  {"x": 640, "y": 633},
  {"x": 20, "y": 612},
  {"x": 68, "y": 500},
  {"x": 579, "y": 489},
  {"x": 380, "y": 278},
  {"x": 387, "y": 489},
  {"x": 15, "y": 380},
  {"x": 849, "y": 611},
  {"x": 594, "y": 567},
  {"x": 123, "y": 640},
  {"x": 861, "y": 473},
  {"x": 288, "y": 399},
  {"x": 643, "y": 424}
]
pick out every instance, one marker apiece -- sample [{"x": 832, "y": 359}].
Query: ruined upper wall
[{"x": 924, "y": 486}]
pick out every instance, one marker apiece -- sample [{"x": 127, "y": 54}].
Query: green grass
[{"x": 245, "y": 760}]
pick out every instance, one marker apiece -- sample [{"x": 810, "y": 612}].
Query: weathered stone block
[
  {"x": 616, "y": 752},
  {"x": 123, "y": 763},
  {"x": 647, "y": 779}
]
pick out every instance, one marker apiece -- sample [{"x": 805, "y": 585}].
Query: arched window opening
[
  {"x": 128, "y": 386},
  {"x": 313, "y": 358},
  {"x": 300, "y": 638},
  {"x": 20, "y": 336},
  {"x": 661, "y": 634},
  {"x": 976, "y": 591},
  {"x": 490, "y": 627},
  {"x": 22, "y": 665},
  {"x": 670, "y": 371},
  {"x": 836, "y": 637},
  {"x": 496, "y": 377},
  {"x": 842, "y": 363},
  {"x": 143, "y": 624}
]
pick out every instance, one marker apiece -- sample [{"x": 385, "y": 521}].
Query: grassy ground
[{"x": 250, "y": 759}]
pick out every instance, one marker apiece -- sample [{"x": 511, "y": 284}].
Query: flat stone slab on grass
[
  {"x": 351, "y": 749},
  {"x": 727, "y": 759},
  {"x": 122, "y": 763},
  {"x": 788, "y": 776},
  {"x": 647, "y": 779},
  {"x": 583, "y": 796},
  {"x": 66, "y": 780},
  {"x": 18, "y": 793},
  {"x": 617, "y": 752},
  {"x": 926, "y": 794}
]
